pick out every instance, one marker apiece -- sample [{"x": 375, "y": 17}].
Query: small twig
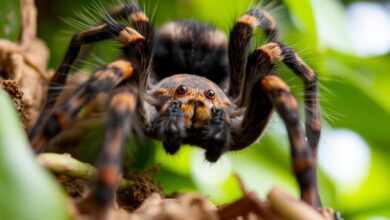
[
  {"x": 290, "y": 208},
  {"x": 242, "y": 207},
  {"x": 66, "y": 165},
  {"x": 28, "y": 30},
  {"x": 280, "y": 205}
]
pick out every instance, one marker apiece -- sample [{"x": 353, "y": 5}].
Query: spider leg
[
  {"x": 267, "y": 92},
  {"x": 122, "y": 109},
  {"x": 125, "y": 35},
  {"x": 312, "y": 111},
  {"x": 304, "y": 162},
  {"x": 258, "y": 106},
  {"x": 137, "y": 17},
  {"x": 261, "y": 62},
  {"x": 132, "y": 13},
  {"x": 239, "y": 44},
  {"x": 65, "y": 113},
  {"x": 271, "y": 92}
]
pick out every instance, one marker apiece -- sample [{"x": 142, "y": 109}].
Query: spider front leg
[
  {"x": 261, "y": 61},
  {"x": 127, "y": 36},
  {"x": 258, "y": 106},
  {"x": 239, "y": 44},
  {"x": 65, "y": 113},
  {"x": 123, "y": 34},
  {"x": 131, "y": 12},
  {"x": 270, "y": 92},
  {"x": 130, "y": 39},
  {"x": 240, "y": 63},
  {"x": 136, "y": 16},
  {"x": 121, "y": 119}
]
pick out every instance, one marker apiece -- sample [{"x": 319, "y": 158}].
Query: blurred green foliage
[
  {"x": 26, "y": 190},
  {"x": 9, "y": 20},
  {"x": 354, "y": 95}
]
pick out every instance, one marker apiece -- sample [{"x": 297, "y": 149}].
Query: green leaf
[
  {"x": 370, "y": 74},
  {"x": 9, "y": 20},
  {"x": 178, "y": 163},
  {"x": 351, "y": 107},
  {"x": 224, "y": 12},
  {"x": 327, "y": 25},
  {"x": 303, "y": 16},
  {"x": 26, "y": 191},
  {"x": 373, "y": 197},
  {"x": 173, "y": 182}
]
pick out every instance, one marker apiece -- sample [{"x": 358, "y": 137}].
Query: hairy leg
[
  {"x": 312, "y": 109},
  {"x": 125, "y": 35},
  {"x": 266, "y": 92},
  {"x": 132, "y": 13},
  {"x": 121, "y": 119},
  {"x": 125, "y": 12},
  {"x": 260, "y": 63},
  {"x": 239, "y": 44},
  {"x": 66, "y": 112},
  {"x": 304, "y": 162},
  {"x": 258, "y": 106}
]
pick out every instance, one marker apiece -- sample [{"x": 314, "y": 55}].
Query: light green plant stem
[{"x": 66, "y": 165}]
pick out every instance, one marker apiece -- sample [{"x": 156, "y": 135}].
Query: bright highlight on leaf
[
  {"x": 345, "y": 157},
  {"x": 368, "y": 21}
]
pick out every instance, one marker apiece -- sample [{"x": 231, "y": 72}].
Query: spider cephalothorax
[
  {"x": 192, "y": 110},
  {"x": 188, "y": 84}
]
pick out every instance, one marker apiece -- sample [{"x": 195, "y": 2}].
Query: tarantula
[{"x": 188, "y": 84}]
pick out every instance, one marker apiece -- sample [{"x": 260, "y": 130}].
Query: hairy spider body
[
  {"x": 191, "y": 47},
  {"x": 198, "y": 101},
  {"x": 188, "y": 84}
]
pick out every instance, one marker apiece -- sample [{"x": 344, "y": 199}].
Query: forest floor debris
[
  {"x": 141, "y": 198},
  {"x": 23, "y": 67}
]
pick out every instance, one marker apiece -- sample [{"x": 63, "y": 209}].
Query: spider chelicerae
[{"x": 187, "y": 83}]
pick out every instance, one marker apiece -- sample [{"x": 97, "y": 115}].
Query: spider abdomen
[{"x": 191, "y": 47}]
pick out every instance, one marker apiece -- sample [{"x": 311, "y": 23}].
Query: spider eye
[
  {"x": 210, "y": 94},
  {"x": 181, "y": 90}
]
